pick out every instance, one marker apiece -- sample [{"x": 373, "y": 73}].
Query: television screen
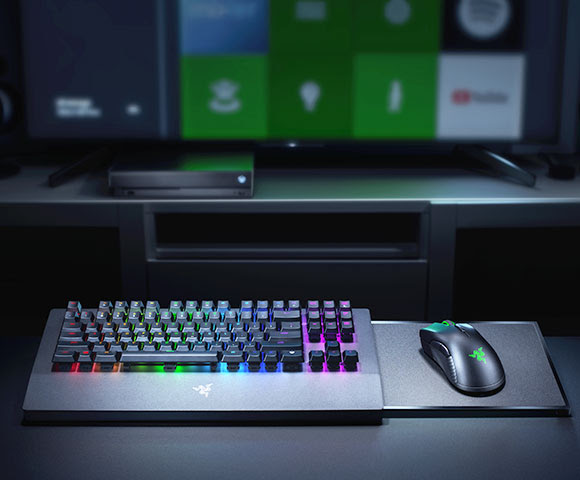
[{"x": 279, "y": 70}]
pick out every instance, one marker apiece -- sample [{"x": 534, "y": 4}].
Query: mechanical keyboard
[{"x": 207, "y": 361}]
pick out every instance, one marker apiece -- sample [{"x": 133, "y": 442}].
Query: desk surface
[
  {"x": 420, "y": 184},
  {"x": 482, "y": 448}
]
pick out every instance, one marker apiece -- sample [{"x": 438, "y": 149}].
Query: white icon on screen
[
  {"x": 76, "y": 107},
  {"x": 397, "y": 12},
  {"x": 484, "y": 19},
  {"x": 133, "y": 109},
  {"x": 224, "y": 100},
  {"x": 310, "y": 93},
  {"x": 310, "y": 11},
  {"x": 395, "y": 97}
]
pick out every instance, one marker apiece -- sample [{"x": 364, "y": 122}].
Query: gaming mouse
[{"x": 468, "y": 361}]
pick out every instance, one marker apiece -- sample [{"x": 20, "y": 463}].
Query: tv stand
[{"x": 496, "y": 164}]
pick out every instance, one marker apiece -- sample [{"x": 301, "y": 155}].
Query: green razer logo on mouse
[{"x": 479, "y": 354}]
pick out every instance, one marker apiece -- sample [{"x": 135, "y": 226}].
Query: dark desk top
[
  {"x": 482, "y": 448},
  {"x": 445, "y": 185}
]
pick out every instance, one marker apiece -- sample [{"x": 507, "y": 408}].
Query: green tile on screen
[
  {"x": 310, "y": 26},
  {"x": 310, "y": 96},
  {"x": 224, "y": 97},
  {"x": 395, "y": 96},
  {"x": 396, "y": 25}
]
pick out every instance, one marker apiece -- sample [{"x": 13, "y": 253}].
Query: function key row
[{"x": 176, "y": 306}]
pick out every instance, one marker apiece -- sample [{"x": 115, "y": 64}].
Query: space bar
[{"x": 170, "y": 357}]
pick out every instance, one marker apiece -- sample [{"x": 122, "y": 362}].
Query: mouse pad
[{"x": 413, "y": 385}]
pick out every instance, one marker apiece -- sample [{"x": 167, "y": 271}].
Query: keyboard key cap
[
  {"x": 124, "y": 327},
  {"x": 330, "y": 330},
  {"x": 247, "y": 306},
  {"x": 142, "y": 337},
  {"x": 71, "y": 316},
  {"x": 230, "y": 316},
  {"x": 181, "y": 347},
  {"x": 105, "y": 306},
  {"x": 328, "y": 305},
  {"x": 333, "y": 360},
  {"x": 350, "y": 359},
  {"x": 191, "y": 306},
  {"x": 233, "y": 357},
  {"x": 271, "y": 360},
  {"x": 262, "y": 306},
  {"x": 281, "y": 345},
  {"x": 116, "y": 347},
  {"x": 103, "y": 316},
  {"x": 152, "y": 305},
  {"x": 214, "y": 317},
  {"x": 92, "y": 327},
  {"x": 118, "y": 316},
  {"x": 65, "y": 355},
  {"x": 74, "y": 306},
  {"x": 291, "y": 356},
  {"x": 288, "y": 326},
  {"x": 72, "y": 327},
  {"x": 216, "y": 347},
  {"x": 223, "y": 306},
  {"x": 93, "y": 337},
  {"x": 344, "y": 305},
  {"x": 314, "y": 316},
  {"x": 262, "y": 317},
  {"x": 73, "y": 344},
  {"x": 332, "y": 345},
  {"x": 254, "y": 360},
  {"x": 172, "y": 327},
  {"x": 284, "y": 335},
  {"x": 314, "y": 331},
  {"x": 134, "y": 317},
  {"x": 151, "y": 316},
  {"x": 87, "y": 317},
  {"x": 175, "y": 306},
  {"x": 85, "y": 357},
  {"x": 278, "y": 305},
  {"x": 106, "y": 357},
  {"x": 207, "y": 306},
  {"x": 294, "y": 305},
  {"x": 313, "y": 306},
  {"x": 282, "y": 316},
  {"x": 136, "y": 305},
  {"x": 108, "y": 327},
  {"x": 121, "y": 305},
  {"x": 149, "y": 347},
  {"x": 329, "y": 316},
  {"x": 346, "y": 330},
  {"x": 191, "y": 357},
  {"x": 316, "y": 360},
  {"x": 132, "y": 346},
  {"x": 65, "y": 336}
]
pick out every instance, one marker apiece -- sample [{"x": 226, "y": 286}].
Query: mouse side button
[{"x": 443, "y": 358}]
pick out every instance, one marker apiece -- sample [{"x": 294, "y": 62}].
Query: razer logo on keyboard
[
  {"x": 203, "y": 389},
  {"x": 479, "y": 354}
]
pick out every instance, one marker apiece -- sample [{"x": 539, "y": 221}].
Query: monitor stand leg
[
  {"x": 91, "y": 160},
  {"x": 496, "y": 164}
]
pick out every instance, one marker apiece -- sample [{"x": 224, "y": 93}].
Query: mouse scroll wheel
[{"x": 442, "y": 348}]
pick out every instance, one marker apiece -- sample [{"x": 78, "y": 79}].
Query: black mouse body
[{"x": 470, "y": 363}]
